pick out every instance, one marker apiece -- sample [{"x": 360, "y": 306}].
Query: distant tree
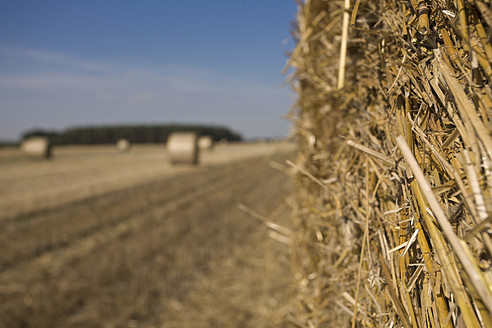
[{"x": 134, "y": 133}]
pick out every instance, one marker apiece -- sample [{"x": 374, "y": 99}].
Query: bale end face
[
  {"x": 123, "y": 145},
  {"x": 37, "y": 147},
  {"x": 182, "y": 148},
  {"x": 205, "y": 143}
]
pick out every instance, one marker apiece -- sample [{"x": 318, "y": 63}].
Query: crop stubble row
[
  {"x": 112, "y": 258},
  {"x": 76, "y": 173},
  {"x": 32, "y": 235}
]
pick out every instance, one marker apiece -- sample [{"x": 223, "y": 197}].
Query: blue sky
[{"x": 69, "y": 63}]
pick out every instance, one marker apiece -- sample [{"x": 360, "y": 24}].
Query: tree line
[{"x": 91, "y": 135}]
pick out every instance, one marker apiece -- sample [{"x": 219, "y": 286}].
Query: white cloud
[
  {"x": 35, "y": 57},
  {"x": 60, "y": 90}
]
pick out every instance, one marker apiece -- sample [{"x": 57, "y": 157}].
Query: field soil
[{"x": 99, "y": 238}]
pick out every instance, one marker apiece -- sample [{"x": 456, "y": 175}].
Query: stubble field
[{"x": 100, "y": 238}]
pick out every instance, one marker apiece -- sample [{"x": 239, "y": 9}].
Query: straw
[
  {"x": 394, "y": 166},
  {"x": 462, "y": 254}
]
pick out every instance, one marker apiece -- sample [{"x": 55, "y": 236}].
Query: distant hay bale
[
  {"x": 224, "y": 142},
  {"x": 182, "y": 148},
  {"x": 38, "y": 147},
  {"x": 205, "y": 143},
  {"x": 123, "y": 145}
]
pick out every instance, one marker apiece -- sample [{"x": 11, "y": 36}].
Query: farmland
[{"x": 101, "y": 238}]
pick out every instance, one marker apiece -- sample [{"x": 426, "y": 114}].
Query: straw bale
[
  {"x": 205, "y": 143},
  {"x": 37, "y": 147},
  {"x": 123, "y": 145},
  {"x": 394, "y": 164},
  {"x": 223, "y": 142},
  {"x": 183, "y": 148}
]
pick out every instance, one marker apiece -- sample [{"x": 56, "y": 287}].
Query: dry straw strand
[{"x": 468, "y": 265}]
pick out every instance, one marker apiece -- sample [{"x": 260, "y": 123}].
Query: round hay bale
[
  {"x": 123, "y": 145},
  {"x": 205, "y": 143},
  {"x": 38, "y": 147},
  {"x": 182, "y": 148},
  {"x": 224, "y": 142}
]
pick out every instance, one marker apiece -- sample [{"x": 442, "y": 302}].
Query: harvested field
[
  {"x": 79, "y": 172},
  {"x": 100, "y": 238}
]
